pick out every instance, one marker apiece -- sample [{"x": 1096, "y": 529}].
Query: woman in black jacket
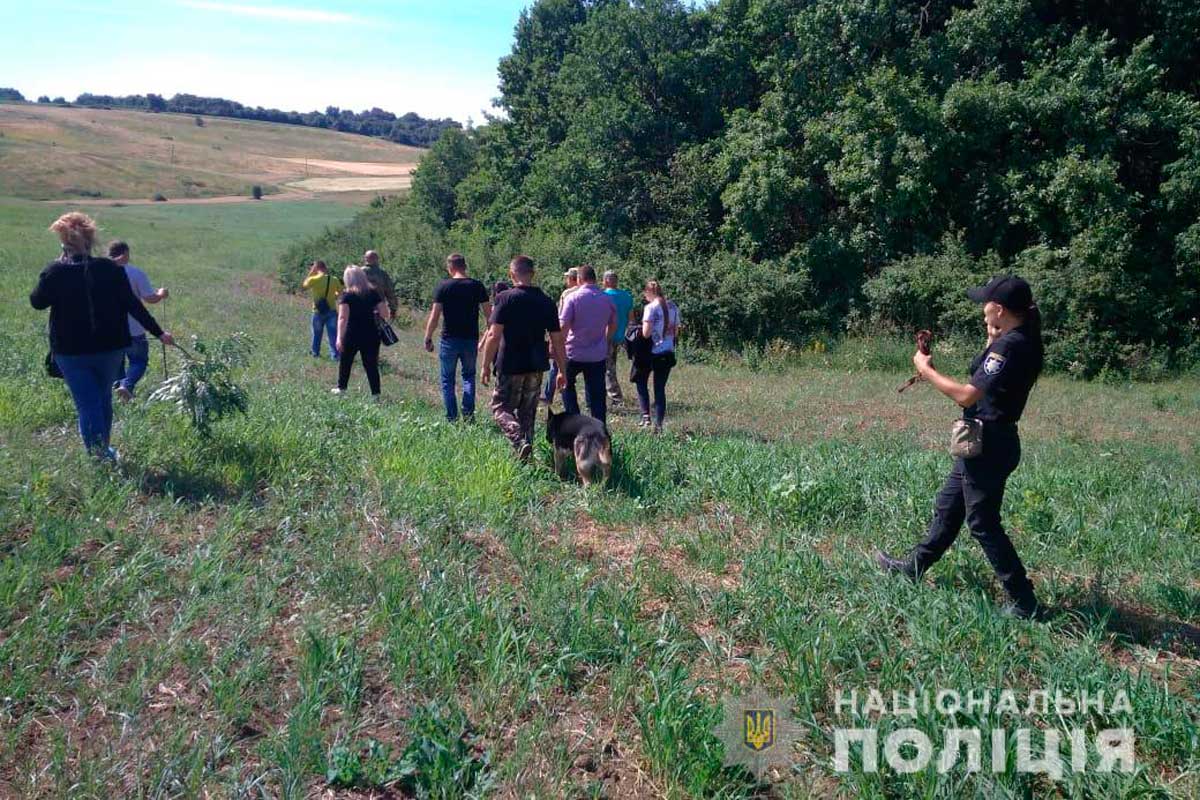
[{"x": 90, "y": 301}]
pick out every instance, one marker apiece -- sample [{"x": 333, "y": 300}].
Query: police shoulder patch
[{"x": 993, "y": 363}]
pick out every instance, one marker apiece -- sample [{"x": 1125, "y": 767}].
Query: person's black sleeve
[
  {"x": 133, "y": 306},
  {"x": 1003, "y": 364},
  {"x": 438, "y": 293},
  {"x": 552, "y": 323},
  {"x": 481, "y": 293},
  {"x": 42, "y": 295}
]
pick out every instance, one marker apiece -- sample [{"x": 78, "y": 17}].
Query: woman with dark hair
[
  {"x": 660, "y": 326},
  {"x": 90, "y": 302},
  {"x": 992, "y": 402}
]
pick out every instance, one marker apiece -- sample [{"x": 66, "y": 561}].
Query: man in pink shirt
[{"x": 588, "y": 319}]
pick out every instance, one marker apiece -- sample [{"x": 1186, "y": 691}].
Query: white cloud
[{"x": 285, "y": 13}]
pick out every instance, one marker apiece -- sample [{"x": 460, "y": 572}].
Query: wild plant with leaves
[{"x": 204, "y": 388}]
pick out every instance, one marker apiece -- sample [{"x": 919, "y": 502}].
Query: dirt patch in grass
[
  {"x": 258, "y": 285},
  {"x": 390, "y": 184},
  {"x": 14, "y": 538},
  {"x": 496, "y": 565},
  {"x": 368, "y": 168},
  {"x": 620, "y": 549},
  {"x": 603, "y": 748}
]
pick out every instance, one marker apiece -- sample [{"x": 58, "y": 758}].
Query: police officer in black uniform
[{"x": 1001, "y": 378}]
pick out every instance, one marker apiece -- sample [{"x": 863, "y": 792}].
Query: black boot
[
  {"x": 906, "y": 566},
  {"x": 1022, "y": 606}
]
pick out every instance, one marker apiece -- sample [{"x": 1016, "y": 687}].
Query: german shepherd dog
[{"x": 586, "y": 438}]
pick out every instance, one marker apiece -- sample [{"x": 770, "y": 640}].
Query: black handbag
[
  {"x": 322, "y": 304},
  {"x": 387, "y": 335}
]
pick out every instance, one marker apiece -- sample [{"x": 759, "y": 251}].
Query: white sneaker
[{"x": 336, "y": 390}]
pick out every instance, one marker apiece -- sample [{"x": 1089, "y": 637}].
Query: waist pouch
[{"x": 966, "y": 438}]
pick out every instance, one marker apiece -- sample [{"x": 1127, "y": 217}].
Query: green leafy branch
[{"x": 204, "y": 389}]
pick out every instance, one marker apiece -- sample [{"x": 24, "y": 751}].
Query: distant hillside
[
  {"x": 411, "y": 129},
  {"x": 50, "y": 152}
]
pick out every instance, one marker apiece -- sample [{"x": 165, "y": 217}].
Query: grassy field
[
  {"x": 334, "y": 598},
  {"x": 52, "y": 153}
]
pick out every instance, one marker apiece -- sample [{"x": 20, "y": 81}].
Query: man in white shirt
[{"x": 138, "y": 352}]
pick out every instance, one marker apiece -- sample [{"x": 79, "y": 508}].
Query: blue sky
[{"x": 435, "y": 58}]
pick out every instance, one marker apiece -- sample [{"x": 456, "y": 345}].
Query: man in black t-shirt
[
  {"x": 457, "y": 299},
  {"x": 520, "y": 321}
]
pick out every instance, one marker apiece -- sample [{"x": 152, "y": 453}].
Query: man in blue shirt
[{"x": 623, "y": 300}]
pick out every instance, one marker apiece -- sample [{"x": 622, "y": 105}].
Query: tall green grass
[{"x": 327, "y": 593}]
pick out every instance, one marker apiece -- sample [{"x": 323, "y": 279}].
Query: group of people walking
[
  {"x": 99, "y": 323},
  {"x": 526, "y": 335}
]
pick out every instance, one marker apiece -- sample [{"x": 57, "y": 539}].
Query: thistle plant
[{"x": 204, "y": 389}]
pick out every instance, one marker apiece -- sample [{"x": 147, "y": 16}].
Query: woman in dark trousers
[
  {"x": 660, "y": 326},
  {"x": 1001, "y": 379},
  {"x": 360, "y": 308},
  {"x": 90, "y": 302}
]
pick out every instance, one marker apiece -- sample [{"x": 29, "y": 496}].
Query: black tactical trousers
[{"x": 973, "y": 492}]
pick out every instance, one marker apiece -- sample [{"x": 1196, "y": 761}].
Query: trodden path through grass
[{"x": 333, "y": 598}]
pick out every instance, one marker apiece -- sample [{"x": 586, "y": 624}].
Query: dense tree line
[
  {"x": 793, "y": 167},
  {"x": 10, "y": 95},
  {"x": 410, "y": 129}
]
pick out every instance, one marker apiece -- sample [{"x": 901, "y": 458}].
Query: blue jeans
[
  {"x": 450, "y": 353},
  {"x": 138, "y": 354},
  {"x": 593, "y": 386},
  {"x": 324, "y": 323},
  {"x": 90, "y": 379},
  {"x": 551, "y": 382}
]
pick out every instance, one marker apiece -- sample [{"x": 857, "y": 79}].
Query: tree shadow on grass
[
  {"x": 1133, "y": 623},
  {"x": 182, "y": 483},
  {"x": 625, "y": 480},
  {"x": 1088, "y": 606},
  {"x": 211, "y": 481}
]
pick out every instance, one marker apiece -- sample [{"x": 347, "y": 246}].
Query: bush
[
  {"x": 256, "y": 192},
  {"x": 930, "y": 291},
  {"x": 159, "y": 197}
]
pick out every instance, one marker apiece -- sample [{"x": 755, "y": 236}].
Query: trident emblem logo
[
  {"x": 758, "y": 732},
  {"x": 760, "y": 728}
]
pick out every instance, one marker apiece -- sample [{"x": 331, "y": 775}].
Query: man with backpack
[{"x": 325, "y": 290}]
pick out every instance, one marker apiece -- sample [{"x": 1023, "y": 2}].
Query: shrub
[
  {"x": 256, "y": 192},
  {"x": 159, "y": 197}
]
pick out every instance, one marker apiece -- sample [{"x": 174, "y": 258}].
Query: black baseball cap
[{"x": 1007, "y": 290}]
